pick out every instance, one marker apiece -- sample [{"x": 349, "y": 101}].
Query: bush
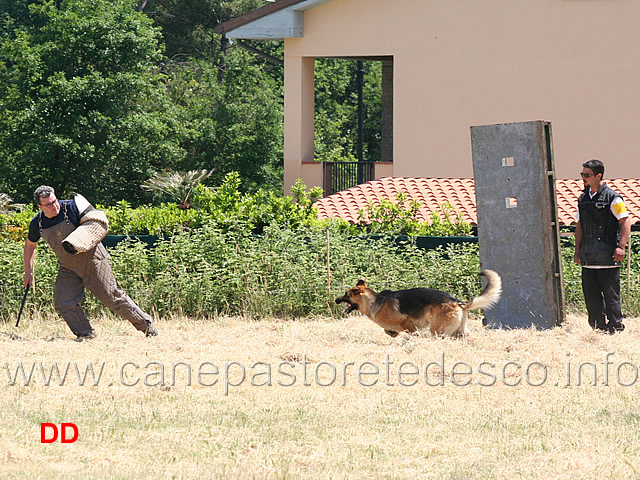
[
  {"x": 284, "y": 272},
  {"x": 401, "y": 218},
  {"x": 227, "y": 208},
  {"x": 14, "y": 225},
  {"x": 210, "y": 260},
  {"x": 281, "y": 273}
]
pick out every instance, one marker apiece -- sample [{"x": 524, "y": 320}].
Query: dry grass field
[{"x": 316, "y": 399}]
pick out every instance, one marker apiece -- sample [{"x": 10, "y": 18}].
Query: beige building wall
[{"x": 459, "y": 63}]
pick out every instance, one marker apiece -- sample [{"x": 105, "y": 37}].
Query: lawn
[{"x": 318, "y": 398}]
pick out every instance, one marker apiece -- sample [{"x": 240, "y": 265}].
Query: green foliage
[
  {"x": 166, "y": 219},
  {"x": 235, "y": 125},
  {"x": 336, "y": 112},
  {"x": 14, "y": 225},
  {"x": 225, "y": 207},
  {"x": 178, "y": 186},
  {"x": 80, "y": 103},
  {"x": 450, "y": 224},
  {"x": 229, "y": 103},
  {"x": 389, "y": 217},
  {"x": 89, "y": 103},
  {"x": 5, "y": 202},
  {"x": 572, "y": 274},
  {"x": 11, "y": 274},
  {"x": 283, "y": 272},
  {"x": 187, "y": 25},
  {"x": 401, "y": 218},
  {"x": 230, "y": 209}
]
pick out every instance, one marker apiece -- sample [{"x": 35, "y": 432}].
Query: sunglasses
[
  {"x": 50, "y": 204},
  {"x": 586, "y": 175}
]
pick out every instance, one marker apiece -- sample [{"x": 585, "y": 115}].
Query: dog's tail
[{"x": 489, "y": 295}]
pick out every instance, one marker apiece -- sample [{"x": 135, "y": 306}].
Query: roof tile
[{"x": 460, "y": 194}]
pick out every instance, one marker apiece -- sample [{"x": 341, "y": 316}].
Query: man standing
[
  {"x": 601, "y": 236},
  {"x": 74, "y": 235}
]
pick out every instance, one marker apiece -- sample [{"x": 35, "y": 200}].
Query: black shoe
[
  {"x": 151, "y": 331},
  {"x": 85, "y": 336},
  {"x": 616, "y": 328}
]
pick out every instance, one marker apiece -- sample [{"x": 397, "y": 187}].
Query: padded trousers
[{"x": 90, "y": 270}]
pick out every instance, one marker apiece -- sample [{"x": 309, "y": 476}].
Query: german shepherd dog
[{"x": 420, "y": 308}]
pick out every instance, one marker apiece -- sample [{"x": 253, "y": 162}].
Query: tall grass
[{"x": 284, "y": 273}]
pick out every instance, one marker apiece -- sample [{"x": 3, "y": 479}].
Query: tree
[
  {"x": 178, "y": 186},
  {"x": 187, "y": 25},
  {"x": 82, "y": 104},
  {"x": 336, "y": 110},
  {"x": 88, "y": 101},
  {"x": 232, "y": 126},
  {"x": 230, "y": 100}
]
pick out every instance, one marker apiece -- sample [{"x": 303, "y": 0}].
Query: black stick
[{"x": 24, "y": 298}]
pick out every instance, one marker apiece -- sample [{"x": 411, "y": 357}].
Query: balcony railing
[{"x": 339, "y": 176}]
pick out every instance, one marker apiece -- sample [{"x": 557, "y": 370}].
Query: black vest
[{"x": 600, "y": 227}]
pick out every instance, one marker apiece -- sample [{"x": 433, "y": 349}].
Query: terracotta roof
[{"x": 461, "y": 194}]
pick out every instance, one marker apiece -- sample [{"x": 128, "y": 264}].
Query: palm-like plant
[
  {"x": 178, "y": 186},
  {"x": 5, "y": 203}
]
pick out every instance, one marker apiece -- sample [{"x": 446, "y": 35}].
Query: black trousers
[{"x": 601, "y": 288}]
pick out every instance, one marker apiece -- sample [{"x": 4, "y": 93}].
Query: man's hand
[
  {"x": 29, "y": 262},
  {"x": 576, "y": 258},
  {"x": 579, "y": 234}
]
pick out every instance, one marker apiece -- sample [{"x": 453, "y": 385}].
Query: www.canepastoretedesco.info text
[{"x": 388, "y": 372}]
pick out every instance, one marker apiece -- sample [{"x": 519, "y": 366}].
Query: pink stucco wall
[{"x": 459, "y": 63}]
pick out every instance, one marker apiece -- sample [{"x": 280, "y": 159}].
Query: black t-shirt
[{"x": 72, "y": 214}]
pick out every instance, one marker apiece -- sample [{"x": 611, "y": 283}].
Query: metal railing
[{"x": 337, "y": 176}]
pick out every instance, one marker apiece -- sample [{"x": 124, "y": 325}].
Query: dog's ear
[{"x": 362, "y": 282}]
